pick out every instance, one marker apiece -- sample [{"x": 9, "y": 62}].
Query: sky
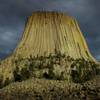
[{"x": 13, "y": 15}]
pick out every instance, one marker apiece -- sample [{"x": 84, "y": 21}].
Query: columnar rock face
[{"x": 46, "y": 32}]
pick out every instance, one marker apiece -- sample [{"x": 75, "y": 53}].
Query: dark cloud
[{"x": 13, "y": 14}]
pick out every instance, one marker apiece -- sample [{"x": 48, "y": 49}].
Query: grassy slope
[{"x": 42, "y": 89}]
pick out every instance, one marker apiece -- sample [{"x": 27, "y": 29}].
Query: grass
[
  {"x": 43, "y": 89},
  {"x": 55, "y": 77}
]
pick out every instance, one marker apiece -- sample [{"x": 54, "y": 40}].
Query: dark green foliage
[
  {"x": 79, "y": 78},
  {"x": 50, "y": 73},
  {"x": 45, "y": 75},
  {"x": 56, "y": 66},
  {"x": 25, "y": 74},
  {"x": 20, "y": 75},
  {"x": 7, "y": 81},
  {"x": 83, "y": 70},
  {"x": 96, "y": 68},
  {"x": 4, "y": 82},
  {"x": 80, "y": 69},
  {"x": 98, "y": 71},
  {"x": 1, "y": 81},
  {"x": 17, "y": 76}
]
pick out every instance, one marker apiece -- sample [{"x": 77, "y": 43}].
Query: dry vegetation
[
  {"x": 37, "y": 70},
  {"x": 43, "y": 89},
  {"x": 54, "y": 77}
]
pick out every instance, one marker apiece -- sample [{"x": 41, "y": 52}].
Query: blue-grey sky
[{"x": 13, "y": 14}]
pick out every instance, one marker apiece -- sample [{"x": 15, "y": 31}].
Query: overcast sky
[{"x": 13, "y": 14}]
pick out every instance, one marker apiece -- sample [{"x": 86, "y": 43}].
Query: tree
[
  {"x": 84, "y": 71},
  {"x": 7, "y": 81},
  {"x": 17, "y": 76},
  {"x": 25, "y": 74},
  {"x": 1, "y": 81}
]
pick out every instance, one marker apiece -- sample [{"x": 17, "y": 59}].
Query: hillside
[
  {"x": 52, "y": 54},
  {"x": 41, "y": 89}
]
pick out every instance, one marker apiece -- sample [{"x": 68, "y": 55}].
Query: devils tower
[
  {"x": 48, "y": 62},
  {"x": 47, "y": 31},
  {"x": 44, "y": 33}
]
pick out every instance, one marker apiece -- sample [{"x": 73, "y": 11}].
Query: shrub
[
  {"x": 25, "y": 74},
  {"x": 1, "y": 81},
  {"x": 45, "y": 75},
  {"x": 7, "y": 81},
  {"x": 51, "y": 73},
  {"x": 98, "y": 71},
  {"x": 84, "y": 71},
  {"x": 17, "y": 76},
  {"x": 80, "y": 69}
]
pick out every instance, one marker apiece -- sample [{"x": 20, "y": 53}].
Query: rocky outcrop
[{"x": 47, "y": 31}]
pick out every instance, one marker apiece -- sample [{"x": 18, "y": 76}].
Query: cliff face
[
  {"x": 44, "y": 33},
  {"x": 47, "y": 31}
]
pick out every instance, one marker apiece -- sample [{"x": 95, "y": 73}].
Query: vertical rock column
[{"x": 47, "y": 31}]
